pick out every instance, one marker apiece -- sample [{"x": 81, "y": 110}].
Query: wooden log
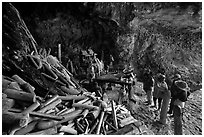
[
  {"x": 20, "y": 95},
  {"x": 85, "y": 112},
  {"x": 14, "y": 85},
  {"x": 50, "y": 106},
  {"x": 100, "y": 123},
  {"x": 49, "y": 50},
  {"x": 14, "y": 120},
  {"x": 62, "y": 111},
  {"x": 94, "y": 126},
  {"x": 48, "y": 77},
  {"x": 67, "y": 117},
  {"x": 67, "y": 111},
  {"x": 24, "y": 85},
  {"x": 59, "y": 52},
  {"x": 114, "y": 115},
  {"x": 5, "y": 84},
  {"x": 111, "y": 125},
  {"x": 95, "y": 113},
  {"x": 49, "y": 71},
  {"x": 31, "y": 108},
  {"x": 60, "y": 133},
  {"x": 38, "y": 114},
  {"x": 68, "y": 78},
  {"x": 55, "y": 97},
  {"x": 109, "y": 132},
  {"x": 31, "y": 126},
  {"x": 7, "y": 78},
  {"x": 46, "y": 116},
  {"x": 45, "y": 124},
  {"x": 69, "y": 90},
  {"x": 103, "y": 124},
  {"x": 33, "y": 62},
  {"x": 85, "y": 101},
  {"x": 80, "y": 105},
  {"x": 72, "y": 115},
  {"x": 60, "y": 76},
  {"x": 72, "y": 97},
  {"x": 103, "y": 103},
  {"x": 68, "y": 129},
  {"x": 4, "y": 96},
  {"x": 28, "y": 88},
  {"x": 7, "y": 104},
  {"x": 50, "y": 131},
  {"x": 15, "y": 110},
  {"x": 103, "y": 130}
]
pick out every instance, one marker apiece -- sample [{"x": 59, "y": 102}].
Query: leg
[
  {"x": 155, "y": 101},
  {"x": 149, "y": 96},
  {"x": 164, "y": 108},
  {"x": 177, "y": 120},
  {"x": 171, "y": 106},
  {"x": 159, "y": 103}
]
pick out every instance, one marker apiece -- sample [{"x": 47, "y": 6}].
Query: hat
[
  {"x": 177, "y": 76},
  {"x": 182, "y": 85}
]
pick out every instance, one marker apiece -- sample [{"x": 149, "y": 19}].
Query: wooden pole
[
  {"x": 100, "y": 122},
  {"x": 50, "y": 106},
  {"x": 114, "y": 115},
  {"x": 59, "y": 52}
]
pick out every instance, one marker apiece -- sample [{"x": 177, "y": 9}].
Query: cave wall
[{"x": 162, "y": 36}]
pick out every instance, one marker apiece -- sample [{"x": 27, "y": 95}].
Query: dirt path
[{"x": 192, "y": 120}]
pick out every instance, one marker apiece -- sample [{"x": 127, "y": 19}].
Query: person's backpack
[{"x": 183, "y": 91}]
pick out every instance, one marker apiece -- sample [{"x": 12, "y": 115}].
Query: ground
[
  {"x": 147, "y": 116},
  {"x": 192, "y": 119}
]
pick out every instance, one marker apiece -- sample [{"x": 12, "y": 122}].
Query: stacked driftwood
[
  {"x": 75, "y": 111},
  {"x": 40, "y": 96}
]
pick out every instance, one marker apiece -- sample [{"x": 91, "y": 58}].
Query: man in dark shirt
[
  {"x": 173, "y": 91},
  {"x": 148, "y": 84}
]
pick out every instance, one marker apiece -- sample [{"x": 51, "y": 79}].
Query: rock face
[
  {"x": 157, "y": 35},
  {"x": 193, "y": 114}
]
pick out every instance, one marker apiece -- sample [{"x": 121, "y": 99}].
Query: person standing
[
  {"x": 156, "y": 93},
  {"x": 148, "y": 84},
  {"x": 182, "y": 92},
  {"x": 165, "y": 94},
  {"x": 91, "y": 72},
  {"x": 173, "y": 95}
]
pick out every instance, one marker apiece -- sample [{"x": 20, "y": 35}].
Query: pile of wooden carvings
[
  {"x": 26, "y": 113},
  {"x": 73, "y": 111}
]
